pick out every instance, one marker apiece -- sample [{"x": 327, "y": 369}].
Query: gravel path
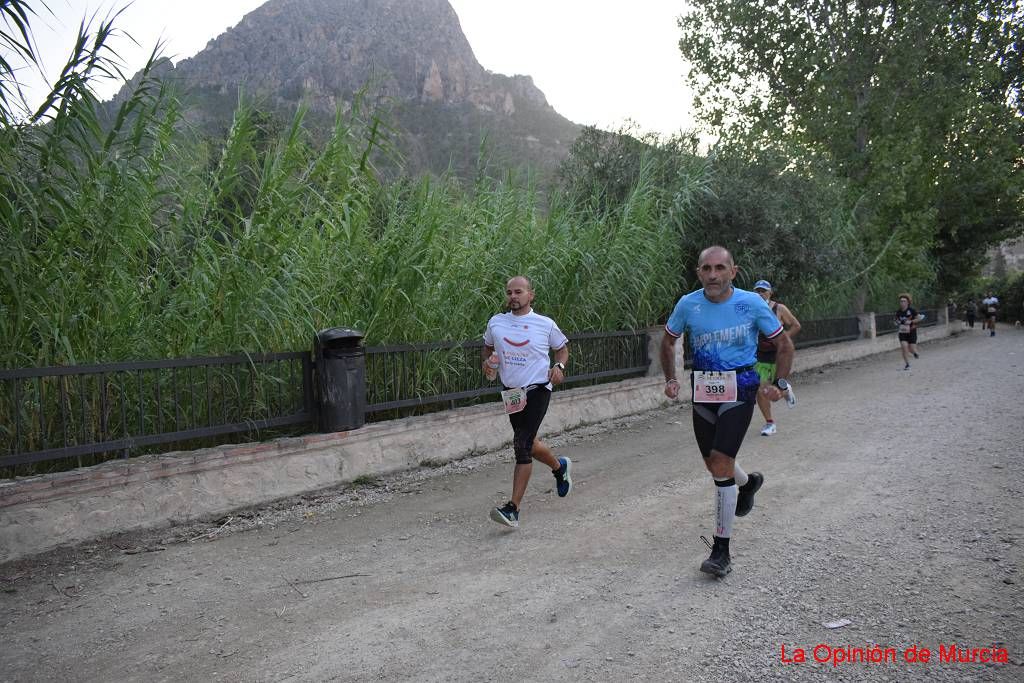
[{"x": 892, "y": 500}]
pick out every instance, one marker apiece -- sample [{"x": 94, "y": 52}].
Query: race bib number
[
  {"x": 515, "y": 400},
  {"x": 991, "y": 309},
  {"x": 714, "y": 387},
  {"x": 904, "y": 328}
]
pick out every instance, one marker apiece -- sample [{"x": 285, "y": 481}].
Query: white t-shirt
[{"x": 522, "y": 343}]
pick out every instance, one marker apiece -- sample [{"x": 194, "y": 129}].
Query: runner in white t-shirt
[{"x": 522, "y": 339}]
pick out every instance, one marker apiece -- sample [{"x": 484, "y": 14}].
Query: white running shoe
[{"x": 768, "y": 429}]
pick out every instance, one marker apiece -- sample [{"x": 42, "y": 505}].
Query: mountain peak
[{"x": 411, "y": 53}]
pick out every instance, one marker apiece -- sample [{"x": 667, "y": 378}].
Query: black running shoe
[
  {"x": 563, "y": 477},
  {"x": 718, "y": 564},
  {"x": 745, "y": 500},
  {"x": 507, "y": 514}
]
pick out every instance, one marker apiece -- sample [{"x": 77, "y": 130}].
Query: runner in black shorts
[
  {"x": 722, "y": 323},
  {"x": 907, "y": 319},
  {"x": 520, "y": 341},
  {"x": 526, "y": 423}
]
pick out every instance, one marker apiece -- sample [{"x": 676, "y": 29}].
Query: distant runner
[
  {"x": 522, "y": 340},
  {"x": 722, "y": 323},
  {"x": 971, "y": 312},
  {"x": 990, "y": 304},
  {"x": 766, "y": 351},
  {"x": 907, "y": 319}
]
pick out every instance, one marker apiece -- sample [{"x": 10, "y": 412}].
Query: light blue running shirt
[{"x": 723, "y": 336}]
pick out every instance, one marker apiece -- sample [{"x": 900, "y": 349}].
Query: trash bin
[{"x": 340, "y": 379}]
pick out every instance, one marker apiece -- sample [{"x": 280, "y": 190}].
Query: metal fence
[
  {"x": 75, "y": 413},
  {"x": 826, "y": 331},
  {"x": 403, "y": 379},
  {"x": 81, "y": 415}
]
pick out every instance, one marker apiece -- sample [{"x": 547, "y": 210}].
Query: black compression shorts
[
  {"x": 526, "y": 422},
  {"x": 909, "y": 337},
  {"x": 721, "y": 426}
]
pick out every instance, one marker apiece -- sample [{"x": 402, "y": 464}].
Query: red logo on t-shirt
[{"x": 522, "y": 343}]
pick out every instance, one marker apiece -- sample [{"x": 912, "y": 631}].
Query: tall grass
[{"x": 131, "y": 237}]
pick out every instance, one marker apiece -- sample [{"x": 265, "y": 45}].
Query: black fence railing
[
  {"x": 79, "y": 413},
  {"x": 826, "y": 331},
  {"x": 404, "y": 379}
]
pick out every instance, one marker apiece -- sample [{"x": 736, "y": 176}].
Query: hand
[
  {"x": 555, "y": 375},
  {"x": 772, "y": 392},
  {"x": 672, "y": 389}
]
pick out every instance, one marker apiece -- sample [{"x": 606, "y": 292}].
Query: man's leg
[
  {"x": 542, "y": 452},
  {"x": 719, "y": 431},
  {"x": 520, "y": 478},
  {"x": 766, "y": 371},
  {"x": 525, "y": 425},
  {"x": 904, "y": 349}
]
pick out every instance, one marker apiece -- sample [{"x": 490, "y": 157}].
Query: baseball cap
[{"x": 763, "y": 284}]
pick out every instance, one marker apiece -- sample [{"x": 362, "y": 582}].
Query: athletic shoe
[
  {"x": 907, "y": 366},
  {"x": 745, "y": 499},
  {"x": 916, "y": 356},
  {"x": 768, "y": 429},
  {"x": 718, "y": 564},
  {"x": 563, "y": 477},
  {"x": 507, "y": 515}
]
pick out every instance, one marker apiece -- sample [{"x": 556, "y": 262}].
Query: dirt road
[{"x": 892, "y": 499}]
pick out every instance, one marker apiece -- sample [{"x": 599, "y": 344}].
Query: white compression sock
[{"x": 726, "y": 493}]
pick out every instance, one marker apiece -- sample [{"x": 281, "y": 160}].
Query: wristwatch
[
  {"x": 560, "y": 366},
  {"x": 782, "y": 384}
]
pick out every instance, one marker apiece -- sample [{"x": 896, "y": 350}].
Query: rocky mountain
[{"x": 409, "y": 55}]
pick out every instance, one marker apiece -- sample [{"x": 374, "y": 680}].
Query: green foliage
[{"x": 914, "y": 107}]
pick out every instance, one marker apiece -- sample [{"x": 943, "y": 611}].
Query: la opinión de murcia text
[{"x": 845, "y": 655}]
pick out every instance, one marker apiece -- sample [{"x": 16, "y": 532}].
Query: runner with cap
[{"x": 765, "y": 365}]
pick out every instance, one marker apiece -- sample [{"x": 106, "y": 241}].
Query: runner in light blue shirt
[{"x": 723, "y": 323}]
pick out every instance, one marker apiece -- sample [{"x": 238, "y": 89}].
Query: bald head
[
  {"x": 519, "y": 294},
  {"x": 716, "y": 252},
  {"x": 520, "y": 281},
  {"x": 716, "y": 271}
]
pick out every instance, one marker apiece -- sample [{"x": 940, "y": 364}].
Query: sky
[{"x": 597, "y": 62}]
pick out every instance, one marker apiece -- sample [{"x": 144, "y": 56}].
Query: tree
[{"x": 915, "y": 106}]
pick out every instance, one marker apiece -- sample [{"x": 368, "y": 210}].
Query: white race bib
[
  {"x": 515, "y": 400},
  {"x": 714, "y": 387}
]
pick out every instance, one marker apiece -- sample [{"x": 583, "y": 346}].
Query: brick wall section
[{"x": 39, "y": 513}]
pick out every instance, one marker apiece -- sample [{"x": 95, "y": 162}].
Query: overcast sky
[{"x": 597, "y": 62}]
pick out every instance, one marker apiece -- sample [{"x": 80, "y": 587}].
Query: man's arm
[
  {"x": 783, "y": 363},
  {"x": 668, "y": 364},
  {"x": 788, "y": 320},
  {"x": 555, "y": 374},
  {"x": 784, "y": 350}
]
